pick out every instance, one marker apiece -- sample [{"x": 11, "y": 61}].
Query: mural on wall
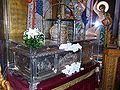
[
  {"x": 79, "y": 9},
  {"x": 85, "y": 14},
  {"x": 82, "y": 10},
  {"x": 41, "y": 6},
  {"x": 39, "y": 13}
]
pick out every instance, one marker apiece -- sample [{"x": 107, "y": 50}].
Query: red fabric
[
  {"x": 33, "y": 14},
  {"x": 88, "y": 84},
  {"x": 17, "y": 83}
]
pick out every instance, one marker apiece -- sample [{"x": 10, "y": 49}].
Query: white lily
[
  {"x": 32, "y": 32},
  {"x": 71, "y": 69},
  {"x": 70, "y": 47}
]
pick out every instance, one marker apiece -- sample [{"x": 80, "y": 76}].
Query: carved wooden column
[{"x": 109, "y": 68}]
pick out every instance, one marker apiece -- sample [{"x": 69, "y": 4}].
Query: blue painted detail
[{"x": 39, "y": 7}]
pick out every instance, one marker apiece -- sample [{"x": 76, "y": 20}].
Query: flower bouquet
[
  {"x": 71, "y": 69},
  {"x": 33, "y": 38}
]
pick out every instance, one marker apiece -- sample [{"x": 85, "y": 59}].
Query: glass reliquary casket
[{"x": 48, "y": 61}]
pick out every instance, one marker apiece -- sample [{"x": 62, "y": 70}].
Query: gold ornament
[
  {"x": 4, "y": 84},
  {"x": 103, "y": 3}
]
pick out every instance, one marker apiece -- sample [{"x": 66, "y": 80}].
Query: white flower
[
  {"x": 65, "y": 71},
  {"x": 71, "y": 69},
  {"x": 65, "y": 46},
  {"x": 68, "y": 70},
  {"x": 70, "y": 47},
  {"x": 54, "y": 70},
  {"x": 31, "y": 36},
  {"x": 79, "y": 46},
  {"x": 32, "y": 32}
]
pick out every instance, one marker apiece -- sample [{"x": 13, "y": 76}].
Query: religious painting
[
  {"x": 87, "y": 23},
  {"x": 77, "y": 11}
]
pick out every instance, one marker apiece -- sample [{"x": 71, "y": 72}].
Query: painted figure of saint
[{"x": 103, "y": 21}]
